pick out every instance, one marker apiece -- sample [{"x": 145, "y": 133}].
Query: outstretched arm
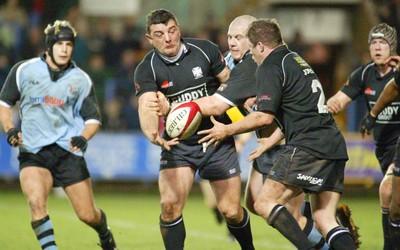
[
  {"x": 338, "y": 102},
  {"x": 266, "y": 143},
  {"x": 149, "y": 121}
]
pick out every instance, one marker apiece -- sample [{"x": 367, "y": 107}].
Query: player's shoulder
[{"x": 199, "y": 43}]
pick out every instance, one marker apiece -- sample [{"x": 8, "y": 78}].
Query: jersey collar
[{"x": 182, "y": 52}]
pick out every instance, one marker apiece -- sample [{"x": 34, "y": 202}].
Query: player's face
[
  {"x": 255, "y": 52},
  {"x": 237, "y": 41},
  {"x": 62, "y": 52},
  {"x": 379, "y": 50},
  {"x": 165, "y": 38}
]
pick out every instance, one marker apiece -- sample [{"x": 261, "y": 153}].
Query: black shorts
[
  {"x": 385, "y": 155},
  {"x": 216, "y": 163},
  {"x": 295, "y": 167},
  {"x": 65, "y": 167},
  {"x": 264, "y": 162}
]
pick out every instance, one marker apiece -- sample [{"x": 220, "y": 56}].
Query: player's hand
[
  {"x": 334, "y": 106},
  {"x": 78, "y": 143},
  {"x": 14, "y": 137},
  {"x": 249, "y": 103},
  {"x": 394, "y": 62},
  {"x": 166, "y": 144},
  {"x": 367, "y": 123},
  {"x": 263, "y": 146},
  {"x": 213, "y": 135}
]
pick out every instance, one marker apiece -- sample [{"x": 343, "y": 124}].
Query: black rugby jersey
[
  {"x": 366, "y": 81},
  {"x": 288, "y": 88},
  {"x": 241, "y": 84},
  {"x": 191, "y": 77}
]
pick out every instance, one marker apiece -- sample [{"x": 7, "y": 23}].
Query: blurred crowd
[{"x": 109, "y": 49}]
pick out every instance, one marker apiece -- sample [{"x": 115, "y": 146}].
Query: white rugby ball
[{"x": 183, "y": 120}]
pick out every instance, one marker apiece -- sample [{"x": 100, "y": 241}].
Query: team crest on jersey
[
  {"x": 167, "y": 84},
  {"x": 73, "y": 90},
  {"x": 197, "y": 72},
  {"x": 369, "y": 91}
]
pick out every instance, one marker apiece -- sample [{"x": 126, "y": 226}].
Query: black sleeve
[
  {"x": 355, "y": 86},
  {"x": 90, "y": 107},
  {"x": 10, "y": 93},
  {"x": 144, "y": 78},
  {"x": 397, "y": 78},
  {"x": 269, "y": 88}
]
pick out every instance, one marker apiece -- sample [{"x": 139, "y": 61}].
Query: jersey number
[{"x": 322, "y": 108}]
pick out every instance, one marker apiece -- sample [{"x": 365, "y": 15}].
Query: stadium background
[{"x": 330, "y": 35}]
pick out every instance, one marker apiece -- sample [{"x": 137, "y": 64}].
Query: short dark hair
[
  {"x": 159, "y": 16},
  {"x": 266, "y": 31}
]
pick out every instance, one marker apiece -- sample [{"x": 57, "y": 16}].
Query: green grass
[{"x": 133, "y": 218}]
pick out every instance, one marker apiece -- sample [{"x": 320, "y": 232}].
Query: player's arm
[
  {"x": 212, "y": 105},
  {"x": 223, "y": 75},
  {"x": 266, "y": 143},
  {"x": 149, "y": 121},
  {"x": 338, "y": 102},
  {"x": 14, "y": 136},
  {"x": 253, "y": 121},
  {"x": 389, "y": 94}
]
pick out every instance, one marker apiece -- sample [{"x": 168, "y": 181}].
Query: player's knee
[
  {"x": 230, "y": 212},
  {"x": 385, "y": 190},
  {"x": 88, "y": 218},
  {"x": 170, "y": 209},
  {"x": 37, "y": 204}
]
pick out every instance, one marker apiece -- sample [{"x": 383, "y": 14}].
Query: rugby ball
[{"x": 183, "y": 120}]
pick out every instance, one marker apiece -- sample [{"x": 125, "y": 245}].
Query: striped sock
[{"x": 44, "y": 233}]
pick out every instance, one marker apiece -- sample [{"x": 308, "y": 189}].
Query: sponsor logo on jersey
[
  {"x": 264, "y": 98},
  {"x": 197, "y": 72},
  {"x": 388, "y": 113},
  {"x": 189, "y": 94},
  {"x": 310, "y": 179},
  {"x": 166, "y": 84},
  {"x": 33, "y": 82},
  {"x": 369, "y": 91},
  {"x": 47, "y": 100}
]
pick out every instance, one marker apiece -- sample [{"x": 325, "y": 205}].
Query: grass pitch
[{"x": 133, "y": 217}]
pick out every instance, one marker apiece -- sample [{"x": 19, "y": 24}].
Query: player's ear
[{"x": 149, "y": 39}]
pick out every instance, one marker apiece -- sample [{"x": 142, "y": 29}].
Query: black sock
[
  {"x": 394, "y": 233},
  {"x": 173, "y": 233},
  {"x": 102, "y": 228},
  {"x": 387, "y": 243},
  {"x": 340, "y": 238},
  {"x": 284, "y": 222},
  {"x": 44, "y": 232},
  {"x": 242, "y": 232}
]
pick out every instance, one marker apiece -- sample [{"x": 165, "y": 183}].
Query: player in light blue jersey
[{"x": 59, "y": 114}]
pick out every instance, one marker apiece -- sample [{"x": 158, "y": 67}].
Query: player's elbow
[{"x": 264, "y": 119}]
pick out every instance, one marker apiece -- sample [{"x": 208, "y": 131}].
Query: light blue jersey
[{"x": 51, "y": 111}]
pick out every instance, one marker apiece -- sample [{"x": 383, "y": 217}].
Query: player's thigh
[
  {"x": 80, "y": 195},
  {"x": 175, "y": 183},
  {"x": 36, "y": 183},
  {"x": 253, "y": 186},
  {"x": 227, "y": 190}
]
